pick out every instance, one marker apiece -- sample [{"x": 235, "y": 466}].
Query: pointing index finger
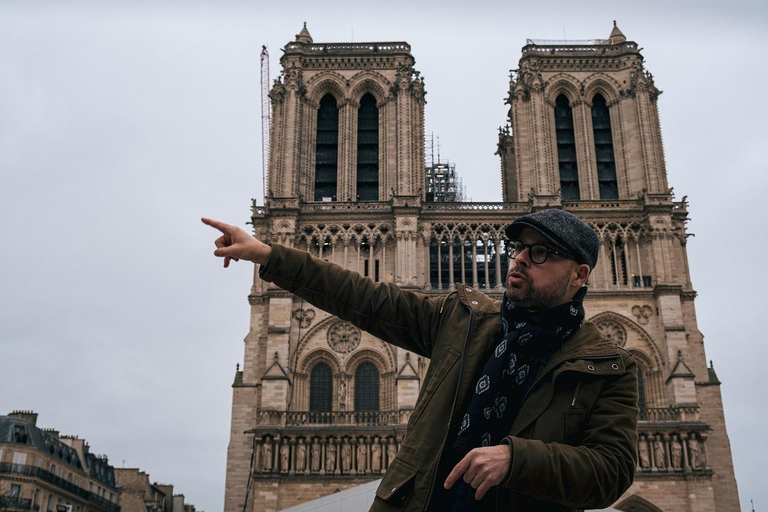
[{"x": 224, "y": 228}]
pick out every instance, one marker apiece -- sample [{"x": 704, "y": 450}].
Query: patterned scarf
[{"x": 530, "y": 338}]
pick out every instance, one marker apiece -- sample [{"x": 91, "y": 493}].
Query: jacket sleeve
[
  {"x": 400, "y": 317},
  {"x": 595, "y": 473}
]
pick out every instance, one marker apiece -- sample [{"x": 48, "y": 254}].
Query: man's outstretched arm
[{"x": 236, "y": 244}]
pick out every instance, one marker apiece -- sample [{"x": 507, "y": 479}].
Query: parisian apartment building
[{"x": 43, "y": 470}]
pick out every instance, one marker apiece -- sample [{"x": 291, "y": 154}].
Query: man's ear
[{"x": 580, "y": 275}]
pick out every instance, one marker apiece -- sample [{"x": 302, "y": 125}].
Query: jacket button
[
  {"x": 615, "y": 366},
  {"x": 469, "y": 289},
  {"x": 590, "y": 367},
  {"x": 474, "y": 303}
]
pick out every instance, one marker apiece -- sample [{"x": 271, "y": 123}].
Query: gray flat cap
[{"x": 563, "y": 229}]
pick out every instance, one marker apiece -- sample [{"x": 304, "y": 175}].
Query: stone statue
[
  {"x": 645, "y": 461},
  {"x": 330, "y": 456},
  {"x": 658, "y": 453},
  {"x": 285, "y": 452},
  {"x": 376, "y": 456},
  {"x": 301, "y": 456},
  {"x": 266, "y": 455},
  {"x": 315, "y": 465},
  {"x": 342, "y": 395},
  {"x": 362, "y": 456},
  {"x": 346, "y": 456},
  {"x": 694, "y": 450},
  {"x": 677, "y": 453},
  {"x": 391, "y": 451}
]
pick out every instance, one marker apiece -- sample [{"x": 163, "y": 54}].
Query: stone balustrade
[{"x": 317, "y": 454}]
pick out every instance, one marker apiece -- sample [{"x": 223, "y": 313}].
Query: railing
[
  {"x": 15, "y": 503},
  {"x": 334, "y": 418},
  {"x": 480, "y": 207},
  {"x": 669, "y": 414},
  {"x": 351, "y": 47},
  {"x": 589, "y": 45},
  {"x": 47, "y": 476}
]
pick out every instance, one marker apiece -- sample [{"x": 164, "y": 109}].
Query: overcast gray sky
[{"x": 121, "y": 123}]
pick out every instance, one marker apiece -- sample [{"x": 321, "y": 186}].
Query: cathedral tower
[{"x": 320, "y": 406}]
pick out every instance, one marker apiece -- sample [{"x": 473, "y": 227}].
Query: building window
[
  {"x": 606, "y": 162},
  {"x": 327, "y": 149},
  {"x": 20, "y": 434},
  {"x": 14, "y": 491},
  {"x": 19, "y": 458},
  {"x": 366, "y": 388},
  {"x": 566, "y": 149},
  {"x": 368, "y": 149},
  {"x": 321, "y": 388},
  {"x": 640, "y": 390},
  {"x": 618, "y": 257},
  {"x": 376, "y": 269}
]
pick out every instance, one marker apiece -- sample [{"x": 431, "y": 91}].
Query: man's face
[{"x": 539, "y": 286}]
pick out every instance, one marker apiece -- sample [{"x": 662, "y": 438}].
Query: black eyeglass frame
[{"x": 512, "y": 252}]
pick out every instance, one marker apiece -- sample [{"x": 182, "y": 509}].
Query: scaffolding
[{"x": 442, "y": 182}]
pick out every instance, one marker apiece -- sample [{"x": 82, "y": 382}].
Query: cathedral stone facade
[{"x": 321, "y": 406}]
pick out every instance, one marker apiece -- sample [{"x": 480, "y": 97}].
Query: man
[{"x": 524, "y": 408}]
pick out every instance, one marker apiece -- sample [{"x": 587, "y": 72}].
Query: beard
[{"x": 530, "y": 295}]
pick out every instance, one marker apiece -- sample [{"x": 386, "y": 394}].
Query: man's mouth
[{"x": 515, "y": 277}]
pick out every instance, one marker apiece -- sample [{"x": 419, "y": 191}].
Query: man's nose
[{"x": 523, "y": 257}]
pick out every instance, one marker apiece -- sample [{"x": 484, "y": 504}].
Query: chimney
[{"x": 28, "y": 416}]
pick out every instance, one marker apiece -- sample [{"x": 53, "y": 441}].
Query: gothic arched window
[
  {"x": 368, "y": 149},
  {"x": 366, "y": 388},
  {"x": 640, "y": 390},
  {"x": 321, "y": 388},
  {"x": 327, "y": 149},
  {"x": 566, "y": 149},
  {"x": 606, "y": 162}
]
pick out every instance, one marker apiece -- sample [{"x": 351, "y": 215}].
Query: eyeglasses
[{"x": 537, "y": 252}]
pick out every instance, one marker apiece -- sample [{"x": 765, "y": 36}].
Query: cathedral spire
[
  {"x": 303, "y": 36},
  {"x": 617, "y": 36}
]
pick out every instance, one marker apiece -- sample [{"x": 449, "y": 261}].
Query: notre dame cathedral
[{"x": 320, "y": 406}]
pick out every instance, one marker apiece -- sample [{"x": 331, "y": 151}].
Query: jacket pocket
[
  {"x": 574, "y": 426},
  {"x": 441, "y": 370},
  {"x": 397, "y": 485}
]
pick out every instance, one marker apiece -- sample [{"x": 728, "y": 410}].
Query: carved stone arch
[
  {"x": 424, "y": 232},
  {"x": 310, "y": 359},
  {"x": 363, "y": 355},
  {"x": 327, "y": 232},
  {"x": 635, "y": 503},
  {"x": 645, "y": 341},
  {"x": 483, "y": 228},
  {"x": 636, "y": 230},
  {"x": 364, "y": 232},
  {"x": 370, "y": 82},
  {"x": 603, "y": 84},
  {"x": 321, "y": 326},
  {"x": 443, "y": 234},
  {"x": 378, "y": 232},
  {"x": 644, "y": 361},
  {"x": 327, "y": 83},
  {"x": 562, "y": 84},
  {"x": 614, "y": 230}
]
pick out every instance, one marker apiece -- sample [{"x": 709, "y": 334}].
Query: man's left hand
[{"x": 482, "y": 468}]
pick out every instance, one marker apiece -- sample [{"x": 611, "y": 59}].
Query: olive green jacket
[{"x": 574, "y": 439}]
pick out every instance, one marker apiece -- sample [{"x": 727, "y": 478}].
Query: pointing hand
[{"x": 236, "y": 244}]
